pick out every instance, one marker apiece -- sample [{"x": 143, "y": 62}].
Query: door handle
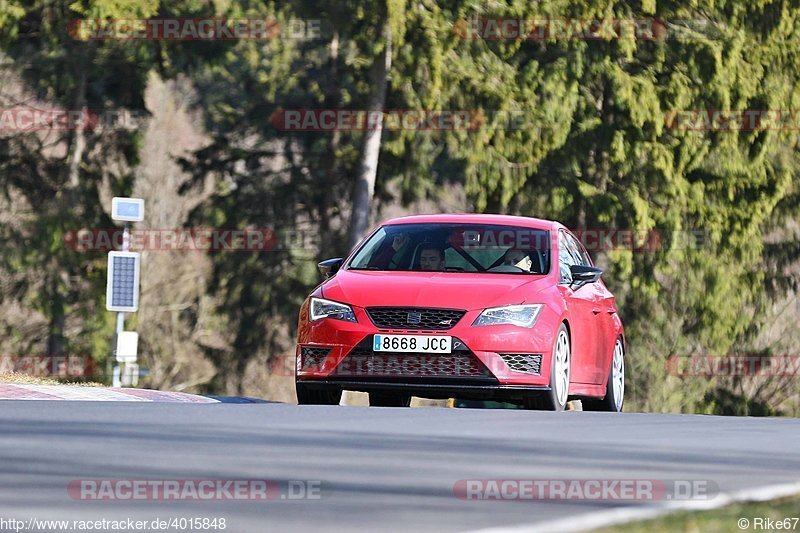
[{"x": 595, "y": 310}]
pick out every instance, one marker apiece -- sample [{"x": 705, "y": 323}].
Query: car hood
[{"x": 432, "y": 289}]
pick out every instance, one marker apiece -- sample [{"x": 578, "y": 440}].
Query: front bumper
[
  {"x": 493, "y": 361},
  {"x": 441, "y": 390}
]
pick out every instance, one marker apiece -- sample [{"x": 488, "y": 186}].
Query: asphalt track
[{"x": 381, "y": 469}]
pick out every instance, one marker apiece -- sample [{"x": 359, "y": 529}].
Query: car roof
[{"x": 473, "y": 218}]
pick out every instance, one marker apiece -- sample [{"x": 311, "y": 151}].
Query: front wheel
[
  {"x": 615, "y": 387},
  {"x": 317, "y": 396},
  {"x": 556, "y": 398},
  {"x": 386, "y": 399}
]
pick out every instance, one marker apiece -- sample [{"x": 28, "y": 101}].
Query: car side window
[
  {"x": 578, "y": 251},
  {"x": 565, "y": 259},
  {"x": 570, "y": 252}
]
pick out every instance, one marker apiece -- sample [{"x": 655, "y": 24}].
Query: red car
[{"x": 486, "y": 307}]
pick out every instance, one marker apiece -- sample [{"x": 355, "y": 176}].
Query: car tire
[
  {"x": 556, "y": 398},
  {"x": 615, "y": 386},
  {"x": 387, "y": 399},
  {"x": 317, "y": 396}
]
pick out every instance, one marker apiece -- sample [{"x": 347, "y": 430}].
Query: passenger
[
  {"x": 518, "y": 258},
  {"x": 431, "y": 258}
]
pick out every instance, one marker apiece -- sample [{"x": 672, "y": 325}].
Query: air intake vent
[
  {"x": 313, "y": 356},
  {"x": 530, "y": 363}
]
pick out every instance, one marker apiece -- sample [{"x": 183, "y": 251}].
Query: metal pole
[
  {"x": 118, "y": 369},
  {"x": 117, "y": 377}
]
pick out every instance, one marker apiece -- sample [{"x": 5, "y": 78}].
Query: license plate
[{"x": 412, "y": 343}]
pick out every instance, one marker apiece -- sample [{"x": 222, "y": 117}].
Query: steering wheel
[{"x": 506, "y": 268}]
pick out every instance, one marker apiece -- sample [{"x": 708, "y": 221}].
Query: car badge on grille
[
  {"x": 445, "y": 322},
  {"x": 414, "y": 317}
]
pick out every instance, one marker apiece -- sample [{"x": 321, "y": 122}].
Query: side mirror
[
  {"x": 329, "y": 267},
  {"x": 582, "y": 275}
]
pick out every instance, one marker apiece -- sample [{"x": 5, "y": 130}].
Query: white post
[
  {"x": 116, "y": 381},
  {"x": 117, "y": 375},
  {"x": 119, "y": 297}
]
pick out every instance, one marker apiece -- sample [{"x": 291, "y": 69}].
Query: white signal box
[
  {"x": 127, "y": 346},
  {"x": 127, "y": 209}
]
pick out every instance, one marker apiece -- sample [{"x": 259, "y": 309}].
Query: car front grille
[
  {"x": 363, "y": 362},
  {"x": 313, "y": 356},
  {"x": 530, "y": 363},
  {"x": 414, "y": 318}
]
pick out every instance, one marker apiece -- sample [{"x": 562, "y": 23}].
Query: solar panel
[{"x": 122, "y": 287}]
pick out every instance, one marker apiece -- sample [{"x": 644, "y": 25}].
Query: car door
[
  {"x": 603, "y": 311},
  {"x": 582, "y": 310},
  {"x": 608, "y": 307}
]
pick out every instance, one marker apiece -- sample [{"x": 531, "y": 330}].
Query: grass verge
[
  {"x": 758, "y": 515},
  {"x": 25, "y": 379}
]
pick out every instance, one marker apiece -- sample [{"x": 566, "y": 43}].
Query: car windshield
[{"x": 439, "y": 247}]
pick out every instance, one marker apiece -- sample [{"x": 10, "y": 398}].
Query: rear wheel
[
  {"x": 317, "y": 396},
  {"x": 615, "y": 387},
  {"x": 556, "y": 398},
  {"x": 388, "y": 399}
]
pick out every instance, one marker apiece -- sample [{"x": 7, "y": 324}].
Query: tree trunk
[
  {"x": 368, "y": 165},
  {"x": 69, "y": 202},
  {"x": 327, "y": 241},
  {"x": 55, "y": 339},
  {"x": 78, "y": 141}
]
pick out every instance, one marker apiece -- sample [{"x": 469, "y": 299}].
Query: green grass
[
  {"x": 724, "y": 519},
  {"x": 17, "y": 378}
]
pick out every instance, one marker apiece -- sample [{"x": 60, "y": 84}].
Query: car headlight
[
  {"x": 322, "y": 308},
  {"x": 519, "y": 315}
]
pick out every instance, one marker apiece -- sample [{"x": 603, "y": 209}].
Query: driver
[
  {"x": 388, "y": 256},
  {"x": 431, "y": 258},
  {"x": 518, "y": 258}
]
